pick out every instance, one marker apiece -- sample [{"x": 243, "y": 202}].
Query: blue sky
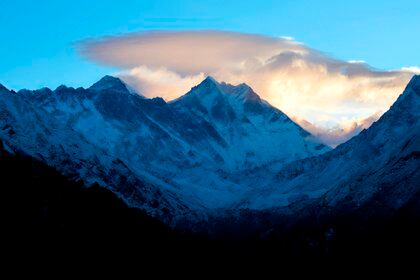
[{"x": 38, "y": 37}]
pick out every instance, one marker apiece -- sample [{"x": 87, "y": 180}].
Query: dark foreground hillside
[
  {"x": 45, "y": 214},
  {"x": 43, "y": 210}
]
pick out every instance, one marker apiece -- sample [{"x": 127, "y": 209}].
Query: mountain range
[{"x": 215, "y": 153}]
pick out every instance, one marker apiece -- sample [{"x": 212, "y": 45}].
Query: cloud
[
  {"x": 333, "y": 136},
  {"x": 160, "y": 82},
  {"x": 184, "y": 52},
  {"x": 411, "y": 69},
  {"x": 305, "y": 83}
]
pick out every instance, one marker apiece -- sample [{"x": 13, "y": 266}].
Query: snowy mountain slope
[
  {"x": 41, "y": 132},
  {"x": 139, "y": 132},
  {"x": 157, "y": 156},
  {"x": 381, "y": 163},
  {"x": 255, "y": 133},
  {"x": 215, "y": 150}
]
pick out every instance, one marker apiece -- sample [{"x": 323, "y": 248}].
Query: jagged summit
[
  {"x": 415, "y": 80},
  {"x": 246, "y": 123},
  {"x": 406, "y": 107},
  {"x": 211, "y": 87},
  {"x": 211, "y": 79},
  {"x": 408, "y": 102},
  {"x": 242, "y": 91},
  {"x": 225, "y": 101},
  {"x": 208, "y": 85},
  {"x": 208, "y": 89},
  {"x": 111, "y": 83},
  {"x": 413, "y": 85}
]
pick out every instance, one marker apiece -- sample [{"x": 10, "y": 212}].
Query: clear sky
[{"x": 38, "y": 37}]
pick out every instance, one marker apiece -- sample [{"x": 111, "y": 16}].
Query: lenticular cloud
[{"x": 329, "y": 97}]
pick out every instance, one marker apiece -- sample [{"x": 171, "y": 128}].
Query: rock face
[{"x": 175, "y": 160}]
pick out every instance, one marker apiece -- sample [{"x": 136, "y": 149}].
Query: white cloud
[
  {"x": 412, "y": 69},
  {"x": 304, "y": 83},
  {"x": 338, "y": 134},
  {"x": 357, "y": 61},
  {"x": 289, "y": 38}
]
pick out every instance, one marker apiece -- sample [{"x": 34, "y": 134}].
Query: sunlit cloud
[
  {"x": 338, "y": 98},
  {"x": 339, "y": 133},
  {"x": 160, "y": 82}
]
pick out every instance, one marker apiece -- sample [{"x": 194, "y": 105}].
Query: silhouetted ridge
[{"x": 3, "y": 88}]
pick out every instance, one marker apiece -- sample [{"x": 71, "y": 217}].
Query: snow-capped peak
[
  {"x": 414, "y": 85},
  {"x": 415, "y": 80},
  {"x": 208, "y": 85},
  {"x": 210, "y": 79},
  {"x": 112, "y": 83},
  {"x": 205, "y": 92},
  {"x": 407, "y": 103},
  {"x": 242, "y": 91},
  {"x": 211, "y": 87},
  {"x": 60, "y": 88},
  {"x": 246, "y": 123}
]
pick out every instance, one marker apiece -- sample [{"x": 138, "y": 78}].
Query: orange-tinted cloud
[
  {"x": 333, "y": 136},
  {"x": 304, "y": 83}
]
